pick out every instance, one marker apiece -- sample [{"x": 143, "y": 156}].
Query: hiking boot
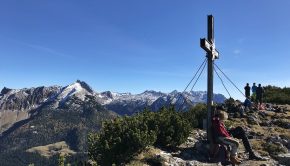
[
  {"x": 235, "y": 160},
  {"x": 256, "y": 157}
]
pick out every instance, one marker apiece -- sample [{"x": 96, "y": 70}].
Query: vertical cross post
[
  {"x": 211, "y": 53},
  {"x": 210, "y": 38}
]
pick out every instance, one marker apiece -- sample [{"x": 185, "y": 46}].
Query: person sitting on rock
[
  {"x": 225, "y": 138},
  {"x": 228, "y": 137},
  {"x": 248, "y": 104}
]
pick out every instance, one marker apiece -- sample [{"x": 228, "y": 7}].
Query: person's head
[
  {"x": 254, "y": 83},
  {"x": 247, "y": 84},
  {"x": 259, "y": 85},
  {"x": 223, "y": 115}
]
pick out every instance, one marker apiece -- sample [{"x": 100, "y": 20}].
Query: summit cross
[{"x": 211, "y": 53}]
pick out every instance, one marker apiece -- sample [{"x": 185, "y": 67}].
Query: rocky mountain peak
[
  {"x": 85, "y": 86},
  {"x": 5, "y": 90},
  {"x": 108, "y": 94},
  {"x": 78, "y": 89},
  {"x": 152, "y": 92},
  {"x": 174, "y": 92}
]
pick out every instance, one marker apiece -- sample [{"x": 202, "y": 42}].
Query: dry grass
[
  {"x": 142, "y": 159},
  {"x": 51, "y": 149},
  {"x": 259, "y": 144}
]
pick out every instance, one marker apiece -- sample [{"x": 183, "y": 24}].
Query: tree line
[{"x": 277, "y": 95}]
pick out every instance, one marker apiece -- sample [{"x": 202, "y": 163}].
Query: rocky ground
[{"x": 268, "y": 130}]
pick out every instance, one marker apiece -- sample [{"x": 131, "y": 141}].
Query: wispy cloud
[
  {"x": 48, "y": 50},
  {"x": 42, "y": 48}
]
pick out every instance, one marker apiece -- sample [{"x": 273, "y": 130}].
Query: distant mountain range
[
  {"x": 20, "y": 104},
  {"x": 39, "y": 116}
]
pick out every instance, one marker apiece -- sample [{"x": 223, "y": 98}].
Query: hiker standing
[
  {"x": 259, "y": 93},
  {"x": 247, "y": 90},
  {"x": 254, "y": 89}
]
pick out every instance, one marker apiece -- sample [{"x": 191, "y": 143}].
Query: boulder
[
  {"x": 253, "y": 120},
  {"x": 281, "y": 141},
  {"x": 284, "y": 158}
]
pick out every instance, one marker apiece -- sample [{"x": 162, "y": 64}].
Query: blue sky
[{"x": 135, "y": 45}]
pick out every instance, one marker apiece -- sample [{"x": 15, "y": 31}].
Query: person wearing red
[
  {"x": 230, "y": 137},
  {"x": 224, "y": 137}
]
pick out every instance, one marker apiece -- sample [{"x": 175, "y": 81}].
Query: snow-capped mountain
[
  {"x": 146, "y": 97},
  {"x": 78, "y": 89},
  {"x": 19, "y": 104},
  {"x": 184, "y": 100},
  {"x": 127, "y": 103}
]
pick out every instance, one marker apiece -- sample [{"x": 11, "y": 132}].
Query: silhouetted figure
[
  {"x": 247, "y": 90},
  {"x": 259, "y": 94},
  {"x": 254, "y": 89}
]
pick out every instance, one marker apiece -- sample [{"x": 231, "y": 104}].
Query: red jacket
[{"x": 219, "y": 128}]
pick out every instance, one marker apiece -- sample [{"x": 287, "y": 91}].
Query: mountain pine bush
[
  {"x": 173, "y": 129},
  {"x": 277, "y": 95},
  {"x": 121, "y": 138},
  {"x": 196, "y": 115}
]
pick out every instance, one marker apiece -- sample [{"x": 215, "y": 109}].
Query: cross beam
[{"x": 211, "y": 53}]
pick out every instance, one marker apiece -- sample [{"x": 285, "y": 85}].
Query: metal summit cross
[{"x": 211, "y": 53}]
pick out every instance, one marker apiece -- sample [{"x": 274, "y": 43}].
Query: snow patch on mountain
[
  {"x": 79, "y": 89},
  {"x": 147, "y": 97}
]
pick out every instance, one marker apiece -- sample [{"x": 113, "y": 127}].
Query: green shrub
[
  {"x": 196, "y": 115},
  {"x": 173, "y": 129},
  {"x": 61, "y": 160},
  {"x": 123, "y": 137},
  {"x": 119, "y": 140},
  {"x": 230, "y": 105},
  {"x": 277, "y": 95}
]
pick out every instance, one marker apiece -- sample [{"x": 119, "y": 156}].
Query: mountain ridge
[{"x": 17, "y": 104}]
